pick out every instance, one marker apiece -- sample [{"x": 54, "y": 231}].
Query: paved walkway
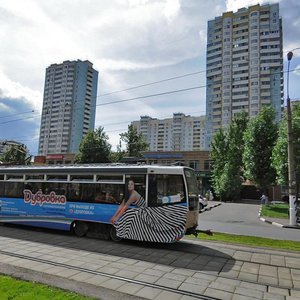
[{"x": 186, "y": 270}]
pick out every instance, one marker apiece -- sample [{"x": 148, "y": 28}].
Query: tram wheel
[
  {"x": 113, "y": 234},
  {"x": 80, "y": 228}
]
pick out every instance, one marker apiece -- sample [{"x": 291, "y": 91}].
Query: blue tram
[{"x": 139, "y": 202}]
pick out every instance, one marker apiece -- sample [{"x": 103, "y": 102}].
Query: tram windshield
[{"x": 191, "y": 183}]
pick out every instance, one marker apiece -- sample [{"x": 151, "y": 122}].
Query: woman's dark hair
[{"x": 127, "y": 194}]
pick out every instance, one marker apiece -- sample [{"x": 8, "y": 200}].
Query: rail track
[{"x": 175, "y": 251}]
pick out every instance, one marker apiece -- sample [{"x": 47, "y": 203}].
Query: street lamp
[{"x": 291, "y": 161}]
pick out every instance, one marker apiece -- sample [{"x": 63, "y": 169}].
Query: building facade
[
  {"x": 180, "y": 133},
  {"x": 244, "y": 65},
  {"x": 69, "y": 106}
]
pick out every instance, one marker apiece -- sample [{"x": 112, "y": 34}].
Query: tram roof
[{"x": 89, "y": 168}]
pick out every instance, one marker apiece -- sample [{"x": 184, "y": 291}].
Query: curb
[
  {"x": 209, "y": 208},
  {"x": 275, "y": 223}
]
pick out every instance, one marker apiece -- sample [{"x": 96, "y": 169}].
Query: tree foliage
[
  {"x": 280, "y": 151},
  {"x": 94, "y": 147},
  {"x": 116, "y": 156},
  {"x": 260, "y": 138},
  {"x": 16, "y": 155},
  {"x": 135, "y": 142},
  {"x": 226, "y": 154}
]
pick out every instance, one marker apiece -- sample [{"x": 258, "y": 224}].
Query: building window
[
  {"x": 207, "y": 165},
  {"x": 194, "y": 164}
]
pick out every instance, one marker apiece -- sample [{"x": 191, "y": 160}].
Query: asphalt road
[{"x": 241, "y": 218}]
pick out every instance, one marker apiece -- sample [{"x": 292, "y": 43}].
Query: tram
[{"x": 138, "y": 202}]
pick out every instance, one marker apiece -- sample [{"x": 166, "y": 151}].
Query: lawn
[
  {"x": 13, "y": 289},
  {"x": 275, "y": 211},
  {"x": 250, "y": 241}
]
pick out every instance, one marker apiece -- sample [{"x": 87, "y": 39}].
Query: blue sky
[{"x": 130, "y": 43}]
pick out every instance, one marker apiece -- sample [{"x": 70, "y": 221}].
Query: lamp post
[{"x": 291, "y": 161}]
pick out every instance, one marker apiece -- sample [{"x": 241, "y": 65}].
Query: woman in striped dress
[
  {"x": 153, "y": 224},
  {"x": 133, "y": 199}
]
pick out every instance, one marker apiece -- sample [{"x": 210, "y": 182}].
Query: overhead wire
[
  {"x": 152, "y": 83},
  {"x": 15, "y": 114},
  {"x": 141, "y": 97}
]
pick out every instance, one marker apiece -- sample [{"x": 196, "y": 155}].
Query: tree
[
  {"x": 117, "y": 156},
  {"x": 135, "y": 143},
  {"x": 16, "y": 155},
  {"x": 94, "y": 147},
  {"x": 218, "y": 152},
  {"x": 260, "y": 138},
  {"x": 227, "y": 151},
  {"x": 280, "y": 151}
]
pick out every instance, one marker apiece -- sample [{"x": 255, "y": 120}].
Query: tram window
[
  {"x": 1, "y": 189},
  {"x": 88, "y": 192},
  {"x": 109, "y": 193},
  {"x": 56, "y": 187},
  {"x": 57, "y": 177},
  {"x": 34, "y": 187},
  {"x": 165, "y": 189},
  {"x": 74, "y": 192},
  {"x": 35, "y": 177},
  {"x": 13, "y": 189},
  {"x": 83, "y": 192},
  {"x": 82, "y": 178},
  {"x": 1, "y": 177},
  {"x": 14, "y": 177},
  {"x": 109, "y": 178}
]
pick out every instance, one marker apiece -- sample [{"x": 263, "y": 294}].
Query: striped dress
[{"x": 152, "y": 224}]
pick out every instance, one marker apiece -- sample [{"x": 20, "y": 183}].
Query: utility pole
[{"x": 291, "y": 159}]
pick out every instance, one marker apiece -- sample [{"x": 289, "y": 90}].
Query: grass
[
  {"x": 250, "y": 241},
  {"x": 276, "y": 211},
  {"x": 14, "y": 289}
]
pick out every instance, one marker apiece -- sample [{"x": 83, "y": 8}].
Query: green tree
[
  {"x": 116, "y": 156},
  {"x": 260, "y": 138},
  {"x": 218, "y": 152},
  {"x": 280, "y": 151},
  {"x": 94, "y": 147},
  {"x": 226, "y": 154},
  {"x": 135, "y": 143},
  {"x": 16, "y": 155}
]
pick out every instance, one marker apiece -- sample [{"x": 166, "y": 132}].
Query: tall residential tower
[
  {"x": 244, "y": 65},
  {"x": 68, "y": 107}
]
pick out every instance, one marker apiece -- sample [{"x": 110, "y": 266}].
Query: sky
[{"x": 131, "y": 43}]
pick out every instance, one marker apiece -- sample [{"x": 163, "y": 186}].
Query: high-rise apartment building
[
  {"x": 244, "y": 65},
  {"x": 69, "y": 106},
  {"x": 180, "y": 133}
]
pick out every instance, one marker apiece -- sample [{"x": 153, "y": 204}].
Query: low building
[{"x": 55, "y": 159}]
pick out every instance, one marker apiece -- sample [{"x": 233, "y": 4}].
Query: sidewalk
[
  {"x": 189, "y": 269},
  {"x": 283, "y": 223}
]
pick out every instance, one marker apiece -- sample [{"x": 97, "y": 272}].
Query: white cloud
[
  {"x": 130, "y": 43},
  {"x": 234, "y": 5},
  {"x": 16, "y": 91},
  {"x": 172, "y": 8}
]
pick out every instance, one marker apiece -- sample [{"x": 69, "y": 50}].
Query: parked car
[{"x": 202, "y": 202}]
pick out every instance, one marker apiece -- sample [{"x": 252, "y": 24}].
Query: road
[{"x": 241, "y": 218}]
